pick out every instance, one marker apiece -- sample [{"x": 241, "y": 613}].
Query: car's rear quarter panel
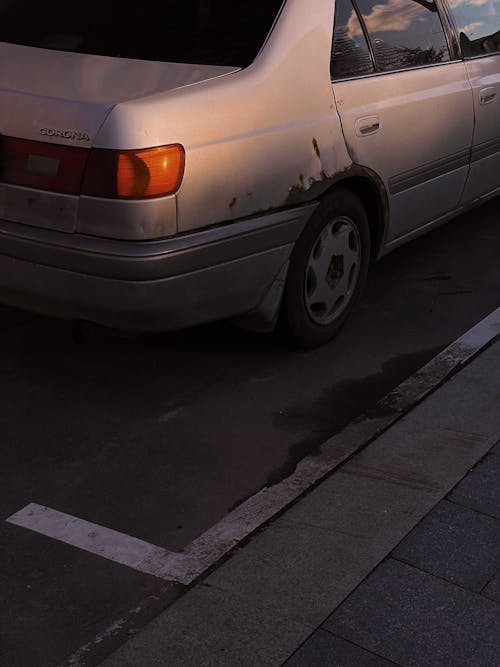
[{"x": 254, "y": 137}]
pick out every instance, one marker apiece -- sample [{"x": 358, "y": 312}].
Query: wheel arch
[
  {"x": 328, "y": 270},
  {"x": 370, "y": 190}
]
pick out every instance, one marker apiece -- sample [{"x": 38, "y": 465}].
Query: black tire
[{"x": 339, "y": 223}]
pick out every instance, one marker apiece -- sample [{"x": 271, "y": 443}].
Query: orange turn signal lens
[
  {"x": 150, "y": 173},
  {"x": 140, "y": 174}
]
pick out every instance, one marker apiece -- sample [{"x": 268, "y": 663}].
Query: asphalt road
[{"x": 160, "y": 436}]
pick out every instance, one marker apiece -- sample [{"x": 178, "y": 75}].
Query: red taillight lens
[
  {"x": 140, "y": 174},
  {"x": 35, "y": 164}
]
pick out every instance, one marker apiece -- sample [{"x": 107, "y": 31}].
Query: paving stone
[
  {"x": 427, "y": 458},
  {"x": 492, "y": 590},
  {"x": 439, "y": 440},
  {"x": 325, "y": 650},
  {"x": 480, "y": 490},
  {"x": 303, "y": 571},
  {"x": 362, "y": 508},
  {"x": 215, "y": 629},
  {"x": 415, "y": 619},
  {"x": 455, "y": 543},
  {"x": 468, "y": 400},
  {"x": 313, "y": 557}
]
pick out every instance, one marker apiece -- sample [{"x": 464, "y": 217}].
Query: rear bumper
[{"x": 151, "y": 285}]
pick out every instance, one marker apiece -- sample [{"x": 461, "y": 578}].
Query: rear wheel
[{"x": 327, "y": 271}]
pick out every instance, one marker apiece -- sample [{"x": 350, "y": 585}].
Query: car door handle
[
  {"x": 487, "y": 95},
  {"x": 367, "y": 125}
]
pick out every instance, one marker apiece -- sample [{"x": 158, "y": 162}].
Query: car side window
[
  {"x": 404, "y": 33},
  {"x": 478, "y": 25},
  {"x": 351, "y": 56}
]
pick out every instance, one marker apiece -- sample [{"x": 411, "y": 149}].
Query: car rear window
[{"x": 210, "y": 32}]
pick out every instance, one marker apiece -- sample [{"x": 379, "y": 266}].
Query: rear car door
[
  {"x": 405, "y": 104},
  {"x": 478, "y": 26}
]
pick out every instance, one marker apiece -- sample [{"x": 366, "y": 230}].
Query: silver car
[{"x": 192, "y": 160}]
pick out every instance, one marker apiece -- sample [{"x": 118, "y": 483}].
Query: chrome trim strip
[
  {"x": 447, "y": 63},
  {"x": 482, "y": 55},
  {"x": 427, "y": 172},
  {"x": 486, "y": 149}
]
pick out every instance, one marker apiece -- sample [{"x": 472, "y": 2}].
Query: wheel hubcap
[{"x": 332, "y": 271}]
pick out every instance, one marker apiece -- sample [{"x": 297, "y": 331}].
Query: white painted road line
[
  {"x": 98, "y": 540},
  {"x": 217, "y": 541}
]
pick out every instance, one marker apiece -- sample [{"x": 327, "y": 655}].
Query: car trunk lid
[{"x": 64, "y": 97}]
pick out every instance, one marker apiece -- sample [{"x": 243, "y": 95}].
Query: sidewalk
[{"x": 393, "y": 559}]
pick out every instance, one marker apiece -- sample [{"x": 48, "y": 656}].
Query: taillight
[
  {"x": 98, "y": 172},
  {"x": 36, "y": 164},
  {"x": 140, "y": 174}
]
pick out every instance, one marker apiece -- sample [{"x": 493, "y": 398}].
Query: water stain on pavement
[{"x": 340, "y": 404}]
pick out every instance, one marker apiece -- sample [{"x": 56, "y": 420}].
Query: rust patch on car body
[
  {"x": 303, "y": 191},
  {"x": 316, "y": 148}
]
